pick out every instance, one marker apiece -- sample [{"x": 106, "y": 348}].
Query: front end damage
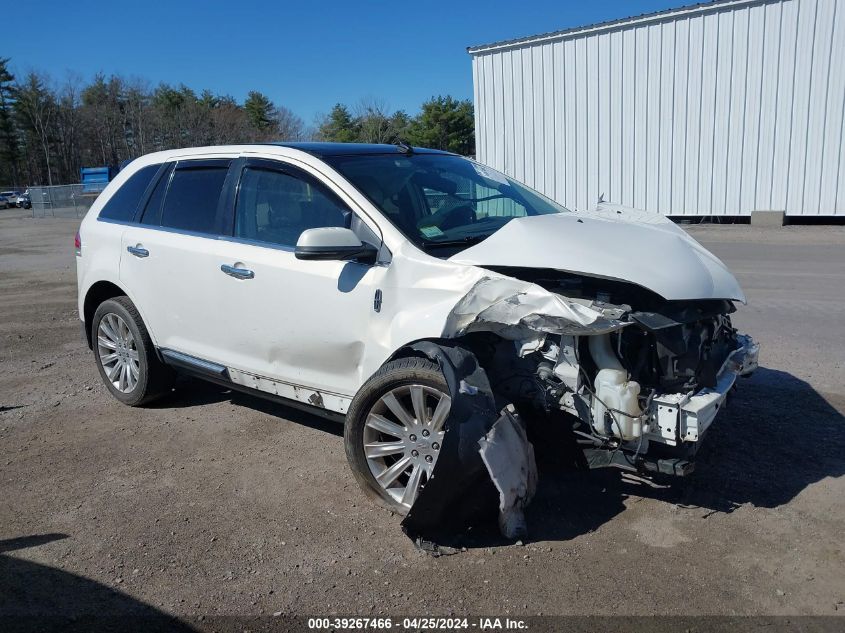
[
  {"x": 636, "y": 372},
  {"x": 638, "y": 379}
]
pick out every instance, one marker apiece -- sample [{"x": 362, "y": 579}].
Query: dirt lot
[{"x": 216, "y": 503}]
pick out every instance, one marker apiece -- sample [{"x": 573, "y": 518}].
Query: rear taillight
[{"x": 77, "y": 244}]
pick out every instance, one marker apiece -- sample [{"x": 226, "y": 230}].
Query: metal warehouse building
[{"x": 714, "y": 109}]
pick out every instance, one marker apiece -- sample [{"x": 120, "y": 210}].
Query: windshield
[{"x": 441, "y": 201}]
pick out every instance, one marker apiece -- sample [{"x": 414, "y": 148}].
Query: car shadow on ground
[
  {"x": 192, "y": 392},
  {"x": 36, "y": 597},
  {"x": 776, "y": 437}
]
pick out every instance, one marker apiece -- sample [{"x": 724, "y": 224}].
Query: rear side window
[
  {"x": 191, "y": 200},
  {"x": 124, "y": 202}
]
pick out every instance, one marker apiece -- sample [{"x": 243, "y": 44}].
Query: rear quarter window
[{"x": 124, "y": 202}]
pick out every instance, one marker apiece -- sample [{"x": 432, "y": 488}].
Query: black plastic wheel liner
[{"x": 460, "y": 490}]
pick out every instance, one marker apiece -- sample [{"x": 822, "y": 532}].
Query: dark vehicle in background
[{"x": 24, "y": 200}]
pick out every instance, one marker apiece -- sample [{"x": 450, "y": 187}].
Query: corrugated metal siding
[{"x": 717, "y": 110}]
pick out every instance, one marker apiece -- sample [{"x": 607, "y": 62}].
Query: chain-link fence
[{"x": 60, "y": 201}]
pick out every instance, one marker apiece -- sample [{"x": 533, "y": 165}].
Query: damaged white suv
[{"x": 438, "y": 306}]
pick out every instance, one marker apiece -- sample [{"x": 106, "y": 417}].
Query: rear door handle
[
  {"x": 237, "y": 273},
  {"x": 138, "y": 251}
]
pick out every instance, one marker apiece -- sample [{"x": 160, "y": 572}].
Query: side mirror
[{"x": 334, "y": 243}]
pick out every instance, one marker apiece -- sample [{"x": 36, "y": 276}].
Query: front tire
[
  {"x": 394, "y": 430},
  {"x": 125, "y": 355}
]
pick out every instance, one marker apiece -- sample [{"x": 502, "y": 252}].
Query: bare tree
[
  {"x": 136, "y": 116},
  {"x": 67, "y": 123},
  {"x": 103, "y": 105},
  {"x": 37, "y": 108},
  {"x": 289, "y": 127},
  {"x": 374, "y": 121},
  {"x": 229, "y": 122}
]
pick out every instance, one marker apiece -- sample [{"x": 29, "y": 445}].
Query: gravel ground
[{"x": 214, "y": 503}]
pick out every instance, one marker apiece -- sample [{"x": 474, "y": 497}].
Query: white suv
[{"x": 409, "y": 292}]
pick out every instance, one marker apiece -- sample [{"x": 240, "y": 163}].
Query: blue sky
[{"x": 306, "y": 56}]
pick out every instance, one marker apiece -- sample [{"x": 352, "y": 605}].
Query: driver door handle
[
  {"x": 138, "y": 251},
  {"x": 237, "y": 273}
]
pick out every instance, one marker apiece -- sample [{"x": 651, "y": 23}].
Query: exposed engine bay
[{"x": 642, "y": 388}]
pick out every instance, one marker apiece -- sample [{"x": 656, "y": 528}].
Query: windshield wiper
[{"x": 464, "y": 241}]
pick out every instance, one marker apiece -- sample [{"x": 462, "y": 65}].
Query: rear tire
[
  {"x": 125, "y": 355},
  {"x": 394, "y": 430}
]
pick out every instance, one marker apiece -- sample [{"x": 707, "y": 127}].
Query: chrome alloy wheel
[
  {"x": 402, "y": 439},
  {"x": 117, "y": 352}
]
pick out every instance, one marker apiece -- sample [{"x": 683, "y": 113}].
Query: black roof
[{"x": 351, "y": 149}]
